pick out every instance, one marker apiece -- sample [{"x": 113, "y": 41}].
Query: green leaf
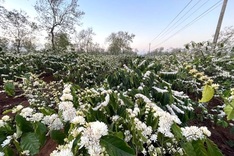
[
  {"x": 47, "y": 111},
  {"x": 8, "y": 151},
  {"x": 75, "y": 148},
  {"x": 30, "y": 142},
  {"x": 41, "y": 130},
  {"x": 229, "y": 110},
  {"x": 188, "y": 149},
  {"x": 116, "y": 146},
  {"x": 118, "y": 134},
  {"x": 9, "y": 88},
  {"x": 177, "y": 131},
  {"x": 212, "y": 148},
  {"x": 23, "y": 124},
  {"x": 58, "y": 136},
  {"x": 199, "y": 148},
  {"x": 222, "y": 123},
  {"x": 207, "y": 93},
  {"x": 126, "y": 100},
  {"x": 7, "y": 111}
]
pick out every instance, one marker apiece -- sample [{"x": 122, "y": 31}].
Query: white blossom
[
  {"x": 36, "y": 83},
  {"x": 2, "y": 123},
  {"x": 147, "y": 74},
  {"x": 6, "y": 118},
  {"x": 26, "y": 112},
  {"x": 153, "y": 137},
  {"x": 17, "y": 108},
  {"x": 78, "y": 120},
  {"x": 103, "y": 104},
  {"x": 144, "y": 152},
  {"x": 7, "y": 141},
  {"x": 53, "y": 122},
  {"x": 63, "y": 152},
  {"x": 65, "y": 97},
  {"x": 205, "y": 131},
  {"x": 115, "y": 118},
  {"x": 128, "y": 69},
  {"x": 140, "y": 88},
  {"x": 127, "y": 135},
  {"x": 91, "y": 135},
  {"x": 140, "y": 64},
  {"x": 99, "y": 129},
  {"x": 17, "y": 135},
  {"x": 69, "y": 114},
  {"x": 195, "y": 133},
  {"x": 66, "y": 90},
  {"x": 36, "y": 117},
  {"x": 178, "y": 110},
  {"x": 165, "y": 119},
  {"x": 26, "y": 152},
  {"x": 64, "y": 105}
]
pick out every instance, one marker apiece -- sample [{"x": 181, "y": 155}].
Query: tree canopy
[
  {"x": 120, "y": 42},
  {"x": 17, "y": 27},
  {"x": 58, "y": 16}
]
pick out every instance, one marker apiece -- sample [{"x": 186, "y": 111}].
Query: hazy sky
[{"x": 146, "y": 19}]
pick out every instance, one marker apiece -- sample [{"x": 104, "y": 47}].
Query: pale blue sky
[{"x": 145, "y": 18}]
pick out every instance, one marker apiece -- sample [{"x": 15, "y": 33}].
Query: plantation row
[{"x": 114, "y": 105}]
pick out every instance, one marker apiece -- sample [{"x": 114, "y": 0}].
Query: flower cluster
[
  {"x": 63, "y": 150},
  {"x": 30, "y": 115},
  {"x": 66, "y": 105},
  {"x": 7, "y": 141},
  {"x": 195, "y": 133},
  {"x": 53, "y": 122},
  {"x": 165, "y": 119},
  {"x": 103, "y": 104},
  {"x": 91, "y": 135},
  {"x": 202, "y": 77},
  {"x": 17, "y": 108},
  {"x": 40, "y": 93}
]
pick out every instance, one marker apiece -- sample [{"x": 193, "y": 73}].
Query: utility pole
[
  {"x": 216, "y": 36},
  {"x": 149, "y": 47}
]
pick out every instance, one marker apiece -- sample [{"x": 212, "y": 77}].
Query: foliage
[
  {"x": 207, "y": 93},
  {"x": 57, "y": 16},
  {"x": 17, "y": 28},
  {"x": 9, "y": 88},
  {"x": 120, "y": 42},
  {"x": 229, "y": 108},
  {"x": 138, "y": 103},
  {"x": 4, "y": 43},
  {"x": 85, "y": 40},
  {"x": 62, "y": 41}
]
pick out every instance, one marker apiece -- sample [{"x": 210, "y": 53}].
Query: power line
[
  {"x": 193, "y": 21},
  {"x": 196, "y": 19},
  {"x": 175, "y": 26},
  {"x": 172, "y": 20}
]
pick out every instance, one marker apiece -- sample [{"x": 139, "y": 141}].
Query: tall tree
[
  {"x": 3, "y": 12},
  {"x": 62, "y": 40},
  {"x": 85, "y": 40},
  {"x": 29, "y": 44},
  {"x": 58, "y": 16},
  {"x": 120, "y": 42},
  {"x": 4, "y": 43},
  {"x": 17, "y": 27}
]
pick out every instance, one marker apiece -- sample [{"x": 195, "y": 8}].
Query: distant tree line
[{"x": 59, "y": 19}]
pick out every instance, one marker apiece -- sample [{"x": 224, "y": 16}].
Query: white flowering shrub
[{"x": 138, "y": 109}]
